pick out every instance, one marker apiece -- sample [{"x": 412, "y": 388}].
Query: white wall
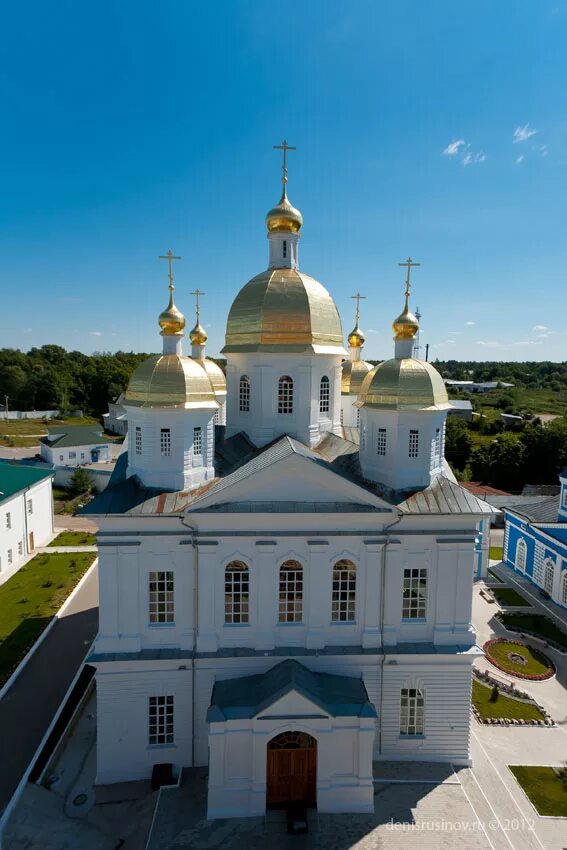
[
  {"x": 38, "y": 523},
  {"x": 75, "y": 455},
  {"x": 349, "y": 414}
]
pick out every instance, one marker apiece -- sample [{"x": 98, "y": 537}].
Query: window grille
[
  {"x": 381, "y": 442},
  {"x": 324, "y": 395},
  {"x": 244, "y": 391},
  {"x": 343, "y": 605},
  {"x": 165, "y": 442},
  {"x": 521, "y": 552},
  {"x": 291, "y": 592},
  {"x": 138, "y": 440},
  {"x": 10, "y": 556},
  {"x": 161, "y": 592},
  {"x": 30, "y": 507},
  {"x": 564, "y": 588},
  {"x": 160, "y": 720},
  {"x": 285, "y": 395},
  {"x": 411, "y": 711},
  {"x": 413, "y": 447},
  {"x": 284, "y": 249},
  {"x": 549, "y": 576},
  {"x": 236, "y": 593},
  {"x": 8, "y": 520},
  {"x": 197, "y": 441},
  {"x": 414, "y": 597},
  {"x": 20, "y": 547}
]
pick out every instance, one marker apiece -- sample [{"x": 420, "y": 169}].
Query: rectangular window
[
  {"x": 82, "y": 455},
  {"x": 165, "y": 442},
  {"x": 20, "y": 548},
  {"x": 138, "y": 440},
  {"x": 30, "y": 507},
  {"x": 413, "y": 448},
  {"x": 216, "y": 418},
  {"x": 284, "y": 249},
  {"x": 72, "y": 455},
  {"x": 61, "y": 457},
  {"x": 411, "y": 711},
  {"x": 414, "y": 599},
  {"x": 160, "y": 720},
  {"x": 8, "y": 520},
  {"x": 197, "y": 441},
  {"x": 381, "y": 442},
  {"x": 363, "y": 437},
  {"x": 10, "y": 556},
  {"x": 161, "y": 607},
  {"x": 324, "y": 395}
]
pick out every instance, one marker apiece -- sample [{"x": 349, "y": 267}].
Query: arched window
[
  {"x": 564, "y": 588},
  {"x": 521, "y": 552},
  {"x": 285, "y": 394},
  {"x": 236, "y": 593},
  {"x": 291, "y": 592},
  {"x": 324, "y": 395},
  {"x": 548, "y": 576},
  {"x": 343, "y": 604},
  {"x": 244, "y": 394}
]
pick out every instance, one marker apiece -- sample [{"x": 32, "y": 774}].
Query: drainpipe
[
  {"x": 382, "y": 608},
  {"x": 195, "y": 548}
]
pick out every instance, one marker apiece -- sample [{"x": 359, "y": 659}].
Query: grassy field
[
  {"x": 537, "y": 623},
  {"x": 74, "y": 538},
  {"x": 509, "y": 596},
  {"x": 535, "y": 664},
  {"x": 495, "y": 553},
  {"x": 504, "y": 705},
  {"x": 31, "y": 597},
  {"x": 544, "y": 788},
  {"x": 536, "y": 401},
  {"x": 21, "y": 427}
]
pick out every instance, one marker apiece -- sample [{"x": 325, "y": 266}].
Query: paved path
[
  {"x": 64, "y": 522},
  {"x": 30, "y": 705}
]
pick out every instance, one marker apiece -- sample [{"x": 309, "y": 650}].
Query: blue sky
[{"x": 433, "y": 129}]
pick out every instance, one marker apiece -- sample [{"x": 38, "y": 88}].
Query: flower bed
[
  {"x": 513, "y": 707},
  {"x": 519, "y": 659}
]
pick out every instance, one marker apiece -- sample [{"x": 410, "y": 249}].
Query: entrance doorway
[
  {"x": 31, "y": 542},
  {"x": 291, "y": 770}
]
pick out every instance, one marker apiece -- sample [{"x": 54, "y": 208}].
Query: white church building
[{"x": 277, "y": 602}]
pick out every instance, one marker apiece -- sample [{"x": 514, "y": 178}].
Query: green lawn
[
  {"x": 537, "y": 623},
  {"x": 536, "y": 663},
  {"x": 495, "y": 553},
  {"x": 39, "y": 426},
  {"x": 544, "y": 788},
  {"x": 74, "y": 538},
  {"x": 493, "y": 575},
  {"x": 31, "y": 597},
  {"x": 504, "y": 705},
  {"x": 509, "y": 596}
]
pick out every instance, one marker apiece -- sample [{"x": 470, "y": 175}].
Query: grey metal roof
[
  {"x": 248, "y": 696},
  {"x": 75, "y": 435},
  {"x": 445, "y": 497},
  {"x": 288, "y": 508},
  {"x": 544, "y": 510}
]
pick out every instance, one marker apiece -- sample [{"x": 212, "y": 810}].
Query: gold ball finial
[
  {"x": 356, "y": 338},
  {"x": 198, "y": 335}
]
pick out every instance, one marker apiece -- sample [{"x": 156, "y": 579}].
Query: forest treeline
[{"x": 530, "y": 374}]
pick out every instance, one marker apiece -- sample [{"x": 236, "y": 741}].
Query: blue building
[{"x": 535, "y": 543}]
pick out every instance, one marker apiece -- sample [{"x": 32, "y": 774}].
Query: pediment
[{"x": 292, "y": 704}]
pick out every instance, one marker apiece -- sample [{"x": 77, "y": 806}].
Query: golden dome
[
  {"x": 216, "y": 376},
  {"x": 172, "y": 320},
  {"x": 356, "y": 338},
  {"x": 283, "y": 310},
  {"x": 404, "y": 384},
  {"x": 406, "y": 325},
  {"x": 353, "y": 374},
  {"x": 170, "y": 380},
  {"x": 284, "y": 218},
  {"x": 198, "y": 335}
]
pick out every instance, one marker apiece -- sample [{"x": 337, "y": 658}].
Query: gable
[{"x": 292, "y": 704}]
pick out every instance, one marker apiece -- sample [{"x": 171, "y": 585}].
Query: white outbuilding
[{"x": 26, "y": 514}]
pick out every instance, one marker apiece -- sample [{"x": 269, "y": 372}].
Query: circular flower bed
[{"x": 519, "y": 659}]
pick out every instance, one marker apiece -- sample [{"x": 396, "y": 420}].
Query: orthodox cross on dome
[
  {"x": 358, "y": 298},
  {"x": 197, "y": 293},
  {"x": 410, "y": 264},
  {"x": 285, "y": 148},
  {"x": 169, "y": 257}
]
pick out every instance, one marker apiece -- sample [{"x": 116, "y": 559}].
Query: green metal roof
[
  {"x": 248, "y": 696},
  {"x": 17, "y": 477},
  {"x": 75, "y": 435}
]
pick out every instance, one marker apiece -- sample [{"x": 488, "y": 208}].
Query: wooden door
[
  {"x": 291, "y": 770},
  {"x": 31, "y": 547}
]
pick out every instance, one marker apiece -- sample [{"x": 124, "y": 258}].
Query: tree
[
  {"x": 500, "y": 463},
  {"x": 493, "y": 694},
  {"x": 458, "y": 442},
  {"x": 81, "y": 482}
]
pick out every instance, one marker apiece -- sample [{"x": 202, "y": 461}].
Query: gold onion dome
[
  {"x": 284, "y": 310},
  {"x": 406, "y": 325},
  {"x": 171, "y": 320},
  {"x": 356, "y": 338},
  {"x": 198, "y": 334},
  {"x": 216, "y": 376},
  {"x": 170, "y": 380},
  {"x": 404, "y": 384},
  {"x": 284, "y": 218},
  {"x": 353, "y": 374}
]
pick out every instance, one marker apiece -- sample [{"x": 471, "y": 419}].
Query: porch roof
[{"x": 248, "y": 696}]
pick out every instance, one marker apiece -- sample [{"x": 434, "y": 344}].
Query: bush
[
  {"x": 494, "y": 694},
  {"x": 81, "y": 482}
]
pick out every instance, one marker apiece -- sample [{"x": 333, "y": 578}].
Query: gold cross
[
  {"x": 169, "y": 257},
  {"x": 358, "y": 298},
  {"x": 197, "y": 293},
  {"x": 410, "y": 264},
  {"x": 285, "y": 148}
]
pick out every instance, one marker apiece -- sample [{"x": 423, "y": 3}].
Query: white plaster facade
[
  {"x": 26, "y": 522},
  {"x": 76, "y": 455},
  {"x": 350, "y": 415}
]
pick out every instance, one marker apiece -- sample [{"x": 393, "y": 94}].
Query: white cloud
[
  {"x": 540, "y": 328},
  {"x": 371, "y": 331},
  {"x": 454, "y": 147},
  {"x": 520, "y": 159},
  {"x": 495, "y": 344},
  {"x": 454, "y": 333},
  {"x": 470, "y": 324},
  {"x": 474, "y": 158},
  {"x": 95, "y": 333},
  {"x": 544, "y": 150},
  {"x": 523, "y": 133}
]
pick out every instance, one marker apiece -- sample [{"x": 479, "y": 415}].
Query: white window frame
[
  {"x": 564, "y": 588},
  {"x": 381, "y": 442},
  {"x": 290, "y": 598},
  {"x": 414, "y": 594},
  {"x": 521, "y": 555},
  {"x": 285, "y": 395},
  {"x": 20, "y": 548},
  {"x": 161, "y": 713},
  {"x": 413, "y": 443},
  {"x": 343, "y": 595},
  {"x": 138, "y": 440},
  {"x": 236, "y": 593},
  {"x": 165, "y": 442},
  {"x": 10, "y": 556},
  {"x": 72, "y": 455},
  {"x": 324, "y": 395},
  {"x": 30, "y": 507},
  {"x": 548, "y": 570},
  {"x": 412, "y": 712},
  {"x": 8, "y": 519},
  {"x": 197, "y": 440},
  {"x": 161, "y": 598},
  {"x": 244, "y": 394}
]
